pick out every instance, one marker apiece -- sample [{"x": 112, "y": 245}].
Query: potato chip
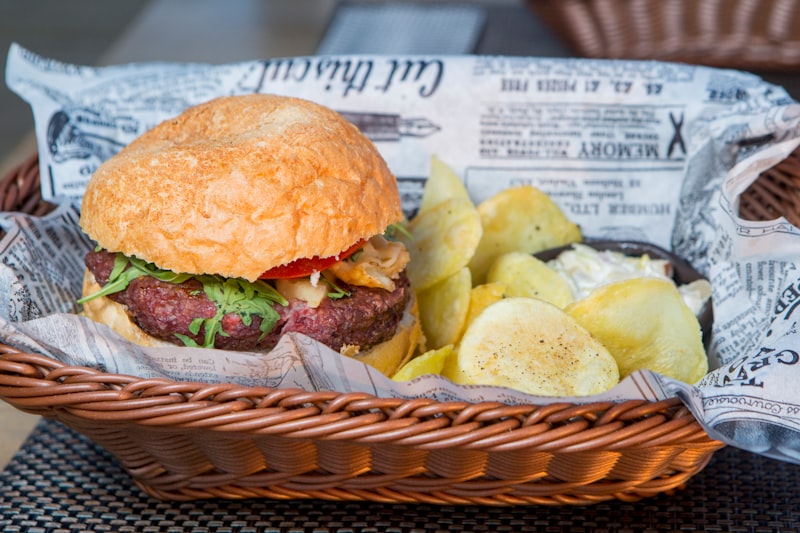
[
  {"x": 525, "y": 275},
  {"x": 482, "y": 296},
  {"x": 645, "y": 323},
  {"x": 443, "y": 184},
  {"x": 443, "y": 309},
  {"x": 443, "y": 239},
  {"x": 520, "y": 219},
  {"x": 431, "y": 362},
  {"x": 450, "y": 367},
  {"x": 532, "y": 346}
]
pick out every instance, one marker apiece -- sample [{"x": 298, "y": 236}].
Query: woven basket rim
[{"x": 580, "y": 443}]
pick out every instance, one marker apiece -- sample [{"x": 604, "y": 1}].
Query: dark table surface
[{"x": 59, "y": 481}]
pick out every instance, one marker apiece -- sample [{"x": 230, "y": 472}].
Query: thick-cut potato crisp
[
  {"x": 431, "y": 362},
  {"x": 532, "y": 346},
  {"x": 520, "y": 219},
  {"x": 443, "y": 184},
  {"x": 443, "y": 239},
  {"x": 482, "y": 296},
  {"x": 525, "y": 275},
  {"x": 443, "y": 309},
  {"x": 645, "y": 323}
]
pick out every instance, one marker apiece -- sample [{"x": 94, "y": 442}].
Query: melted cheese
[{"x": 303, "y": 289}]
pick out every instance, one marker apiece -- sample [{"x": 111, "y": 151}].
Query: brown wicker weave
[
  {"x": 20, "y": 191},
  {"x": 746, "y": 34},
  {"x": 182, "y": 441},
  {"x": 191, "y": 440},
  {"x": 775, "y": 193}
]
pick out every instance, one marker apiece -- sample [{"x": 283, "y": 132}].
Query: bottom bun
[
  {"x": 386, "y": 357},
  {"x": 112, "y": 314},
  {"x": 390, "y": 355}
]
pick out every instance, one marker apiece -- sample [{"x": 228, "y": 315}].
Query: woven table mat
[{"x": 59, "y": 481}]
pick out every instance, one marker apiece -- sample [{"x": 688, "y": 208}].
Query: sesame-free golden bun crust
[{"x": 241, "y": 184}]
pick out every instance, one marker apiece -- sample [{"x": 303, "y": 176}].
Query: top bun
[{"x": 241, "y": 184}]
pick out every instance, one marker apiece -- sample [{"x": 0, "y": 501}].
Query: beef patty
[{"x": 367, "y": 317}]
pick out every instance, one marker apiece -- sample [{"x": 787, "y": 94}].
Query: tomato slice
[{"x": 305, "y": 266}]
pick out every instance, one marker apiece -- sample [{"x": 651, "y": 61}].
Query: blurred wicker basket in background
[
  {"x": 183, "y": 441},
  {"x": 744, "y": 34}
]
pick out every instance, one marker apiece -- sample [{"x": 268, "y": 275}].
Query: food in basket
[
  {"x": 443, "y": 184},
  {"x": 586, "y": 266},
  {"x": 445, "y": 238},
  {"x": 449, "y": 298},
  {"x": 645, "y": 323},
  {"x": 431, "y": 362},
  {"x": 519, "y": 219},
  {"x": 531, "y": 345},
  {"x": 567, "y": 323},
  {"x": 245, "y": 218},
  {"x": 526, "y": 275},
  {"x": 482, "y": 296}
]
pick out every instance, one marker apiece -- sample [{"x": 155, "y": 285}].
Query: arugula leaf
[
  {"x": 238, "y": 296},
  {"x": 195, "y": 325},
  {"x": 336, "y": 292},
  {"x": 187, "y": 340},
  {"x": 396, "y": 232},
  {"x": 152, "y": 270},
  {"x": 230, "y": 295},
  {"x": 118, "y": 280},
  {"x": 126, "y": 269}
]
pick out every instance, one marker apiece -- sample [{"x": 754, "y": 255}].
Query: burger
[{"x": 246, "y": 218}]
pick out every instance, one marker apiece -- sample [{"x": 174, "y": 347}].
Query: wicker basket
[
  {"x": 745, "y": 34},
  {"x": 182, "y": 441}
]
